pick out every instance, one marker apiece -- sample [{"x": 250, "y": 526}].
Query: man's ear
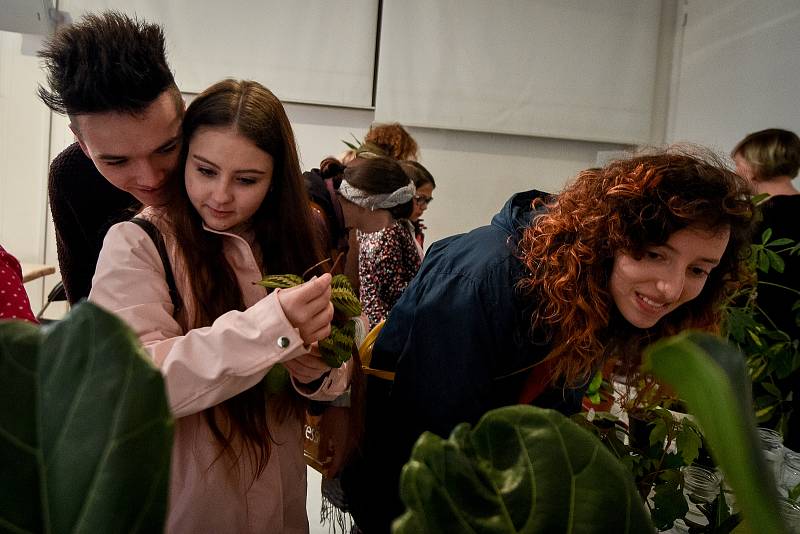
[{"x": 81, "y": 144}]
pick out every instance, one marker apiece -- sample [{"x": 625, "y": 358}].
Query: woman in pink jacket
[{"x": 239, "y": 212}]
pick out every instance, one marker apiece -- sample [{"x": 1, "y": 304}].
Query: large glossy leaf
[
  {"x": 710, "y": 375},
  {"x": 85, "y": 429},
  {"x": 521, "y": 469}
]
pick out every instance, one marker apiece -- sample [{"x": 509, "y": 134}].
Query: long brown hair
[
  {"x": 628, "y": 205},
  {"x": 283, "y": 232}
]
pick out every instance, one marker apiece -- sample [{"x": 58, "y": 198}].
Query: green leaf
[
  {"x": 349, "y": 145},
  {"x": 765, "y": 235},
  {"x": 772, "y": 389},
  {"x": 710, "y": 375},
  {"x": 720, "y": 505},
  {"x": 775, "y": 261},
  {"x": 85, "y": 428},
  {"x": 668, "y": 504},
  {"x": 794, "y": 493},
  {"x": 338, "y": 347},
  {"x": 521, "y": 469},
  {"x": 281, "y": 281},
  {"x": 688, "y": 444},
  {"x": 594, "y": 385},
  {"x": 764, "y": 414},
  {"x": 763, "y": 262},
  {"x": 780, "y": 242},
  {"x": 659, "y": 432},
  {"x": 343, "y": 297}
]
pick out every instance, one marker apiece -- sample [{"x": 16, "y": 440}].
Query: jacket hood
[{"x": 517, "y": 212}]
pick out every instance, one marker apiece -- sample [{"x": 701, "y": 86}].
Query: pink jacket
[{"x": 205, "y": 366}]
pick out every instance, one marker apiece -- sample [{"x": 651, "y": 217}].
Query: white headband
[{"x": 378, "y": 201}]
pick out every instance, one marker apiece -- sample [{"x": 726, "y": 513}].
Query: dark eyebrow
[
  {"x": 204, "y": 160},
  {"x": 169, "y": 142},
  {"x": 115, "y": 157},
  {"x": 208, "y": 162},
  {"x": 712, "y": 261},
  {"x": 111, "y": 157}
]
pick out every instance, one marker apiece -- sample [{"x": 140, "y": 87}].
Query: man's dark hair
[{"x": 105, "y": 62}]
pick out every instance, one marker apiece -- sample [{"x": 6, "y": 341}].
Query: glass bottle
[
  {"x": 790, "y": 471},
  {"x": 790, "y": 511},
  {"x": 772, "y": 447},
  {"x": 700, "y": 487}
]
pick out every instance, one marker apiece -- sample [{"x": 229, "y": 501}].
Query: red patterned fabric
[{"x": 14, "y": 303}]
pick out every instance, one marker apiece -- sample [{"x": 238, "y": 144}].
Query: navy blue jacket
[{"x": 457, "y": 339}]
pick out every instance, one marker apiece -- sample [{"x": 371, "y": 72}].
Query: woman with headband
[{"x": 376, "y": 198}]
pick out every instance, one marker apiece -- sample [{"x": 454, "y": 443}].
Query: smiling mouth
[{"x": 652, "y": 304}]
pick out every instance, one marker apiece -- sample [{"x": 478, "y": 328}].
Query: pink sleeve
[
  {"x": 14, "y": 303},
  {"x": 204, "y": 366},
  {"x": 336, "y": 383}
]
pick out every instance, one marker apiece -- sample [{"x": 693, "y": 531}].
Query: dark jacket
[
  {"x": 458, "y": 339},
  {"x": 321, "y": 192},
  {"x": 84, "y": 205},
  {"x": 780, "y": 215}
]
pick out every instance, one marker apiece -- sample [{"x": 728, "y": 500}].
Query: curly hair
[
  {"x": 628, "y": 205},
  {"x": 393, "y": 140}
]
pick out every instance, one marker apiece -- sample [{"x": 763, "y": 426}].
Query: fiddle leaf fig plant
[
  {"x": 85, "y": 428},
  {"x": 521, "y": 469}
]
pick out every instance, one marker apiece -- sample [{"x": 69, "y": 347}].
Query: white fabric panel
[
  {"x": 24, "y": 136},
  {"x": 303, "y": 50},
  {"x": 576, "y": 69},
  {"x": 739, "y": 71}
]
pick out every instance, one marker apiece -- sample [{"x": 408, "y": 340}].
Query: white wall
[
  {"x": 475, "y": 173},
  {"x": 738, "y": 71},
  {"x": 24, "y": 140}
]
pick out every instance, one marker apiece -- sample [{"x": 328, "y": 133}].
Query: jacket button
[{"x": 283, "y": 342}]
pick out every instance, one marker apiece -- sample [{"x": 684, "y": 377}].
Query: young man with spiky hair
[{"x": 109, "y": 74}]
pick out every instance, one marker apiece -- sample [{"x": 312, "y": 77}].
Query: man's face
[{"x": 136, "y": 153}]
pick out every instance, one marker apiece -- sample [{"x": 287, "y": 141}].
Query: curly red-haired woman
[{"x": 626, "y": 254}]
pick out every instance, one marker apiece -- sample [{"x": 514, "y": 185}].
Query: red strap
[{"x": 537, "y": 382}]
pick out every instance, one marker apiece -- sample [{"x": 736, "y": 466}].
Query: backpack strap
[{"x": 158, "y": 240}]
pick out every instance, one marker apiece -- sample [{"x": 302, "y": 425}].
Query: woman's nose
[
  {"x": 222, "y": 194},
  {"x": 670, "y": 285}
]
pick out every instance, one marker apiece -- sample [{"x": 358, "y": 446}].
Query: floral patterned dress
[{"x": 387, "y": 261}]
